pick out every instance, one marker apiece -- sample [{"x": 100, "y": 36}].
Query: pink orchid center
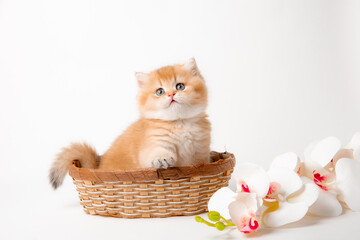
[
  {"x": 253, "y": 224},
  {"x": 244, "y": 186},
  {"x": 248, "y": 224},
  {"x": 318, "y": 177},
  {"x": 274, "y": 190},
  {"x": 321, "y": 180}
]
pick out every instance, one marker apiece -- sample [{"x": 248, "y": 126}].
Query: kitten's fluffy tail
[{"x": 76, "y": 151}]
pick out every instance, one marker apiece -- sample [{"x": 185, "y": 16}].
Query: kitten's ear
[
  {"x": 141, "y": 78},
  {"x": 191, "y": 66}
]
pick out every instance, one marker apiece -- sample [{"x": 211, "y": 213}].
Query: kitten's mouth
[{"x": 173, "y": 101}]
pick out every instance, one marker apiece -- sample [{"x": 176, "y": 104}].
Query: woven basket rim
[{"x": 221, "y": 162}]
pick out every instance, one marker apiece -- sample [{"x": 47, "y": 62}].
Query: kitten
[{"x": 173, "y": 129}]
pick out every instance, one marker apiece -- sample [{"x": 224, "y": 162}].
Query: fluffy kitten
[{"x": 173, "y": 129}]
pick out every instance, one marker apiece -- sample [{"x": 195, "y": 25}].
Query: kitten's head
[{"x": 172, "y": 92}]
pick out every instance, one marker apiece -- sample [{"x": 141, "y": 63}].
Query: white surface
[{"x": 280, "y": 74}]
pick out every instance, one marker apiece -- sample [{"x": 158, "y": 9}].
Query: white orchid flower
[
  {"x": 317, "y": 167},
  {"x": 292, "y": 197},
  {"x": 245, "y": 212},
  {"x": 335, "y": 172},
  {"x": 347, "y": 169},
  {"x": 281, "y": 188},
  {"x": 329, "y": 178},
  {"x": 243, "y": 208}
]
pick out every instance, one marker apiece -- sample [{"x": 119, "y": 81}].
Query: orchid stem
[
  {"x": 201, "y": 220},
  {"x": 229, "y": 224},
  {"x": 218, "y": 225}
]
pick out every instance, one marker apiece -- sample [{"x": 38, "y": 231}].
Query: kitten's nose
[{"x": 171, "y": 95}]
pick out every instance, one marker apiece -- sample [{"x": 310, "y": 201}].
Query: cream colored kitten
[{"x": 173, "y": 129}]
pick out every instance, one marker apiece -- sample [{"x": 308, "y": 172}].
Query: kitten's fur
[{"x": 167, "y": 134}]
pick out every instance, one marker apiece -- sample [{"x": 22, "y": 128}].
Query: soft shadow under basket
[{"x": 149, "y": 193}]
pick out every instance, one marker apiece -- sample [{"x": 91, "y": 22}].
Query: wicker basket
[{"x": 148, "y": 193}]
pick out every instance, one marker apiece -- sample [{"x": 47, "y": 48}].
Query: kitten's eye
[
  {"x": 180, "y": 86},
  {"x": 160, "y": 92}
]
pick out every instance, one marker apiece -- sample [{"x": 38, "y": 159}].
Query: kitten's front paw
[{"x": 163, "y": 162}]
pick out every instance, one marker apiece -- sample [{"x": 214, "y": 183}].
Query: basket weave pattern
[{"x": 149, "y": 193}]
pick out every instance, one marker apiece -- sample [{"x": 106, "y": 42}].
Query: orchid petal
[
  {"x": 254, "y": 177},
  {"x": 249, "y": 199},
  {"x": 237, "y": 210},
  {"x": 232, "y": 183},
  {"x": 289, "y": 181},
  {"x": 286, "y": 161},
  {"x": 220, "y": 200},
  {"x": 308, "y": 150},
  {"x": 354, "y": 142},
  {"x": 326, "y": 205},
  {"x": 357, "y": 154},
  {"x": 348, "y": 182},
  {"x": 243, "y": 212},
  {"x": 325, "y": 150},
  {"x": 286, "y": 213},
  {"x": 308, "y": 167},
  {"x": 308, "y": 194},
  {"x": 343, "y": 153},
  {"x": 354, "y": 145}
]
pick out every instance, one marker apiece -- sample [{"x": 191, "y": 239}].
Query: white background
[{"x": 280, "y": 75}]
